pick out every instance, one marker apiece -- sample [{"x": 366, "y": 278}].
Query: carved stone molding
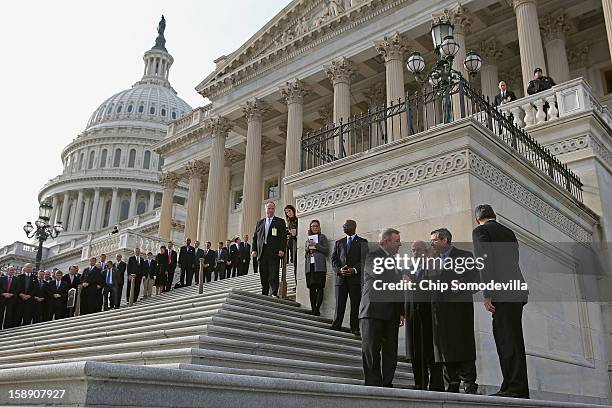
[
  {"x": 462, "y": 19},
  {"x": 376, "y": 95},
  {"x": 554, "y": 26},
  {"x": 392, "y": 47},
  {"x": 601, "y": 151},
  {"x": 491, "y": 51},
  {"x": 326, "y": 113},
  {"x": 232, "y": 156},
  {"x": 196, "y": 168},
  {"x": 578, "y": 55},
  {"x": 440, "y": 167},
  {"x": 254, "y": 109},
  {"x": 293, "y": 92},
  {"x": 219, "y": 126},
  {"x": 340, "y": 70},
  {"x": 569, "y": 145},
  {"x": 169, "y": 179}
]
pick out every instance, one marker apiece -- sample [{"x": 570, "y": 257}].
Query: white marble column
[
  {"x": 392, "y": 49},
  {"x": 462, "y": 23},
  {"x": 168, "y": 182},
  {"x": 65, "y": 210},
  {"x": 132, "y": 208},
  {"x": 340, "y": 72},
  {"x": 195, "y": 170},
  {"x": 218, "y": 127},
  {"x": 376, "y": 97},
  {"x": 554, "y": 27},
  {"x": 78, "y": 212},
  {"x": 607, "y": 11},
  {"x": 530, "y": 40},
  {"x": 293, "y": 93},
  {"x": 151, "y": 205},
  {"x": 224, "y": 202},
  {"x": 93, "y": 220},
  {"x": 101, "y": 210},
  {"x": 114, "y": 209},
  {"x": 489, "y": 73},
  {"x": 86, "y": 212},
  {"x": 203, "y": 193},
  {"x": 252, "y": 185},
  {"x": 55, "y": 204}
]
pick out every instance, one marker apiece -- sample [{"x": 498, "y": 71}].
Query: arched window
[
  {"x": 119, "y": 108},
  {"x": 160, "y": 163},
  {"x": 141, "y": 109},
  {"x": 132, "y": 158},
  {"x": 90, "y": 162},
  {"x": 81, "y": 164},
  {"x": 142, "y": 207},
  {"x": 163, "y": 112},
  {"x": 152, "y": 110},
  {"x": 125, "y": 210},
  {"x": 146, "y": 163},
  {"x": 117, "y": 160},
  {"x": 173, "y": 115},
  {"x": 103, "y": 158},
  {"x": 129, "y": 108}
]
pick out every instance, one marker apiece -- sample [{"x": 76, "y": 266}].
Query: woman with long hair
[
  {"x": 316, "y": 251},
  {"x": 292, "y": 227},
  {"x": 162, "y": 270}
]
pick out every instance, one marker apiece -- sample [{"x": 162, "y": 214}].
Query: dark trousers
[
  {"x": 343, "y": 292},
  {"x": 208, "y": 274},
  {"x": 41, "y": 314},
  {"x": 91, "y": 300},
  {"x": 220, "y": 271},
  {"x": 57, "y": 309},
  {"x": 25, "y": 312},
  {"x": 170, "y": 279},
  {"x": 244, "y": 266},
  {"x": 196, "y": 274},
  {"x": 10, "y": 310},
  {"x": 255, "y": 265},
  {"x": 379, "y": 350},
  {"x": 228, "y": 270},
  {"x": 455, "y": 372},
  {"x": 186, "y": 271},
  {"x": 269, "y": 265},
  {"x": 316, "y": 299},
  {"x": 508, "y": 334},
  {"x": 119, "y": 294},
  {"x": 427, "y": 373},
  {"x": 109, "y": 297},
  {"x": 137, "y": 283},
  {"x": 236, "y": 268}
]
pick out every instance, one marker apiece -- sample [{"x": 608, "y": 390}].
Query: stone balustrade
[
  {"x": 562, "y": 100},
  {"x": 193, "y": 118},
  {"x": 122, "y": 241}
]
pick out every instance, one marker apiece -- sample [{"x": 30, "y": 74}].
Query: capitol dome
[{"x": 110, "y": 171}]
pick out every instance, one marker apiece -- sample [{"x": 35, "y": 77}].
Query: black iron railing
[{"x": 421, "y": 111}]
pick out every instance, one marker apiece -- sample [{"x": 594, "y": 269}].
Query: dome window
[
  {"x": 173, "y": 115},
  {"x": 125, "y": 210},
  {"x": 129, "y": 108},
  {"x": 90, "y": 162},
  {"x": 103, "y": 158},
  {"x": 146, "y": 163},
  {"x": 119, "y": 108},
  {"x": 141, "y": 109},
  {"x": 142, "y": 207},
  {"x": 163, "y": 112},
  {"x": 132, "y": 158},
  {"x": 152, "y": 110},
  {"x": 117, "y": 159}
]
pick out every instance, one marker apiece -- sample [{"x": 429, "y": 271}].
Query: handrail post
[
  {"x": 132, "y": 285},
  {"x": 283, "y": 282},
  {"x": 77, "y": 310},
  {"x": 201, "y": 277}
]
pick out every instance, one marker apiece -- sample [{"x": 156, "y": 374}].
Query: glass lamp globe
[
  {"x": 44, "y": 210},
  {"x": 28, "y": 227},
  {"x": 416, "y": 63},
  {"x": 440, "y": 29},
  {"x": 450, "y": 47},
  {"x": 473, "y": 62}
]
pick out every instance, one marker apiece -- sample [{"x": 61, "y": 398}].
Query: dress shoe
[
  {"x": 470, "y": 388},
  {"x": 356, "y": 333},
  {"x": 509, "y": 395}
]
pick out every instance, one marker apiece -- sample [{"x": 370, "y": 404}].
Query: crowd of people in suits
[{"x": 440, "y": 341}]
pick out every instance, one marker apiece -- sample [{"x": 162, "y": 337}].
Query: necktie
[
  {"x": 57, "y": 284},
  {"x": 10, "y": 280},
  {"x": 170, "y": 257},
  {"x": 349, "y": 244},
  {"x": 268, "y": 222},
  {"x": 40, "y": 282},
  {"x": 27, "y": 285}
]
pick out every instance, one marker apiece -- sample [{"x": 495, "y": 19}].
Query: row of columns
[{"x": 86, "y": 212}]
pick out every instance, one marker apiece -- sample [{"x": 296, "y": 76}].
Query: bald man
[{"x": 504, "y": 95}]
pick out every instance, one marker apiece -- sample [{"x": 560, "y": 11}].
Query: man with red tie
[
  {"x": 8, "y": 298},
  {"x": 25, "y": 301},
  {"x": 172, "y": 261}
]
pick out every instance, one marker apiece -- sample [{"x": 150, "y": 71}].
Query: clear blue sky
[{"x": 62, "y": 59}]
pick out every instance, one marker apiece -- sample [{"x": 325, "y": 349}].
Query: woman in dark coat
[
  {"x": 162, "y": 270},
  {"x": 316, "y": 251},
  {"x": 292, "y": 227}
]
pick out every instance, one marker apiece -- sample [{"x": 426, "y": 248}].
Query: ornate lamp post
[
  {"x": 43, "y": 229},
  {"x": 442, "y": 76}
]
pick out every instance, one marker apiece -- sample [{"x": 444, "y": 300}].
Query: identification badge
[
  {"x": 312, "y": 259},
  {"x": 274, "y": 232}
]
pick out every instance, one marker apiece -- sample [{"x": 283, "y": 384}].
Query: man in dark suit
[
  {"x": 453, "y": 315},
  {"x": 93, "y": 283},
  {"x": 269, "y": 243},
  {"x": 210, "y": 262},
  {"x": 8, "y": 298},
  {"x": 245, "y": 255},
  {"x": 26, "y": 283},
  {"x": 419, "y": 335},
  {"x": 172, "y": 262},
  {"x": 73, "y": 280},
  {"x": 41, "y": 312},
  {"x": 121, "y": 267},
  {"x": 539, "y": 83},
  {"x": 347, "y": 260},
  {"x": 235, "y": 257},
  {"x": 135, "y": 266},
  {"x": 380, "y": 314},
  {"x": 109, "y": 292},
  {"x": 504, "y": 95},
  {"x": 498, "y": 247},
  {"x": 198, "y": 254},
  {"x": 186, "y": 261},
  {"x": 57, "y": 294},
  {"x": 228, "y": 265},
  {"x": 221, "y": 258}
]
